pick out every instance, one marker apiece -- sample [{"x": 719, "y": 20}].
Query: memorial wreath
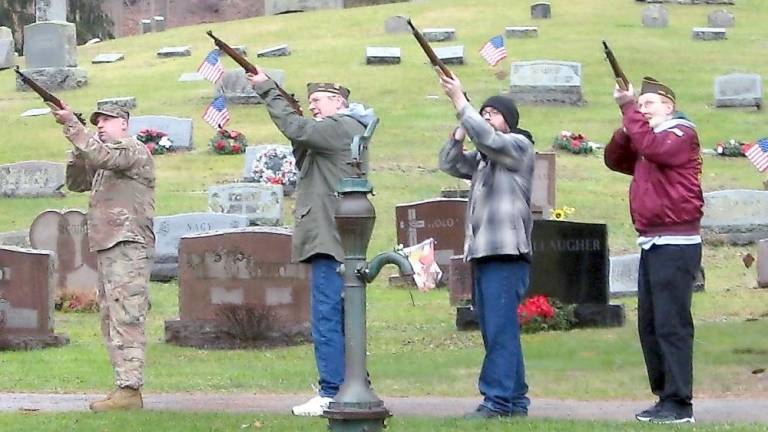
[
  {"x": 157, "y": 142},
  {"x": 275, "y": 166},
  {"x": 228, "y": 142}
]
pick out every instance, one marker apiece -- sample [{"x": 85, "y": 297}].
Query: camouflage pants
[{"x": 123, "y": 302}]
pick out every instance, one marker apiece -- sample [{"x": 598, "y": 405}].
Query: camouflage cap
[
  {"x": 111, "y": 110},
  {"x": 651, "y": 85},
  {"x": 328, "y": 87}
]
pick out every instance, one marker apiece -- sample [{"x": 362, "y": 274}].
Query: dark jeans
[
  {"x": 328, "y": 323},
  {"x": 665, "y": 325},
  {"x": 500, "y": 282}
]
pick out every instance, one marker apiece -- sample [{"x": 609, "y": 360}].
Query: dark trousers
[{"x": 665, "y": 325}]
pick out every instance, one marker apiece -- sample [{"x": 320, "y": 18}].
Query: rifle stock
[
  {"x": 428, "y": 50},
  {"x": 250, "y": 68},
  {"x": 618, "y": 74},
  {"x": 45, "y": 94}
]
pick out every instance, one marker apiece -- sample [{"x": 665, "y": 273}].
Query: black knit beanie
[{"x": 506, "y": 106}]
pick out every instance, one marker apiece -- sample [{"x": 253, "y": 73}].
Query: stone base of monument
[
  {"x": 216, "y": 335},
  {"x": 28, "y": 343},
  {"x": 568, "y": 95},
  {"x": 454, "y": 193},
  {"x": 164, "y": 269},
  {"x": 51, "y": 79},
  {"x": 587, "y": 315},
  {"x": 738, "y": 235},
  {"x": 18, "y": 238}
]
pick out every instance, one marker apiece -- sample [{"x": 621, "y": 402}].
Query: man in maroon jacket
[{"x": 659, "y": 148}]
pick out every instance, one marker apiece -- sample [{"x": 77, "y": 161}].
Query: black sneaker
[
  {"x": 646, "y": 414},
  {"x": 483, "y": 412},
  {"x": 673, "y": 416}
]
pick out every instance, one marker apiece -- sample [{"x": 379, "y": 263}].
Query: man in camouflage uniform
[
  {"x": 120, "y": 173},
  {"x": 322, "y": 148}
]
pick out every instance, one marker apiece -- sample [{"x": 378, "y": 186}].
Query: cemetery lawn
[
  {"x": 148, "y": 421},
  {"x": 415, "y": 350}
]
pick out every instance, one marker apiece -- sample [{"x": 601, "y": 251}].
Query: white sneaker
[{"x": 313, "y": 407}]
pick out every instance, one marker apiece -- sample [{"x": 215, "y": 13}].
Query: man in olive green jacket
[
  {"x": 322, "y": 145},
  {"x": 119, "y": 172}
]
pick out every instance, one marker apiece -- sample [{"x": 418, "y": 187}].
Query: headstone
[
  {"x": 240, "y": 49},
  {"x": 396, "y": 24},
  {"x": 190, "y": 76},
  {"x": 543, "y": 186},
  {"x": 439, "y": 34},
  {"x": 261, "y": 203},
  {"x": 145, "y": 26},
  {"x": 453, "y": 55},
  {"x": 7, "y": 48},
  {"x": 623, "y": 275},
  {"x": 737, "y": 217},
  {"x": 460, "y": 281},
  {"x": 275, "y": 7},
  {"x": 158, "y": 24},
  {"x": 128, "y": 102},
  {"x": 721, "y": 18},
  {"x": 382, "y": 55},
  {"x": 655, "y": 16},
  {"x": 441, "y": 219},
  {"x": 50, "y": 10},
  {"x": 275, "y": 51},
  {"x": 521, "y": 32},
  {"x": 55, "y": 78},
  {"x": 170, "y": 229},
  {"x": 18, "y": 238},
  {"x": 32, "y": 179},
  {"x": 739, "y": 90},
  {"x": 179, "y": 130},
  {"x": 26, "y": 300},
  {"x": 239, "y": 288},
  {"x": 253, "y": 153},
  {"x": 66, "y": 234},
  {"x": 238, "y": 90},
  {"x": 546, "y": 81},
  {"x": 34, "y": 112},
  {"x": 108, "y": 58},
  {"x": 708, "y": 33},
  {"x": 762, "y": 263},
  {"x": 179, "y": 51},
  {"x": 541, "y": 10},
  {"x": 50, "y": 45}
]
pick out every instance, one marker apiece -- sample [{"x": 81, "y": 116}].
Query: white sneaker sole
[{"x": 676, "y": 421}]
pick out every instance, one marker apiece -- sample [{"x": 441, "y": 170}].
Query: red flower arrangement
[
  {"x": 540, "y": 313},
  {"x": 574, "y": 143},
  {"x": 228, "y": 142}
]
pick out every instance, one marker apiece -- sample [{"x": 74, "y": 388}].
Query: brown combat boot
[{"x": 123, "y": 398}]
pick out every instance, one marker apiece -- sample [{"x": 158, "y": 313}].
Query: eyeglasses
[{"x": 490, "y": 112}]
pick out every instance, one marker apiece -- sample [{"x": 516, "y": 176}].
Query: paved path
[{"x": 706, "y": 410}]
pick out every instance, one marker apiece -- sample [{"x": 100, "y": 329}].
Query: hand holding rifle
[
  {"x": 61, "y": 111},
  {"x": 624, "y": 92}
]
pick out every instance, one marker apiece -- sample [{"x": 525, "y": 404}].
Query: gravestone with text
[
  {"x": 453, "y": 55},
  {"x": 66, "y": 234},
  {"x": 721, "y": 18},
  {"x": 546, "y": 81},
  {"x": 32, "y": 179},
  {"x": 739, "y": 90},
  {"x": 522, "y": 32},
  {"x": 179, "y": 130},
  {"x": 382, "y": 55},
  {"x": 261, "y": 203},
  {"x": 26, "y": 300},
  {"x": 737, "y": 217},
  {"x": 275, "y": 7},
  {"x": 541, "y": 10},
  {"x": 441, "y": 219},
  {"x": 709, "y": 33},
  {"x": 655, "y": 16},
  {"x": 169, "y": 230},
  {"x": 7, "y": 48},
  {"x": 439, "y": 34},
  {"x": 238, "y": 90},
  {"x": 239, "y": 288}
]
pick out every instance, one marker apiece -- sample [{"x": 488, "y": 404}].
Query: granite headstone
[
  {"x": 275, "y": 7},
  {"x": 736, "y": 217},
  {"x": 521, "y": 32},
  {"x": 546, "y": 81},
  {"x": 50, "y": 44},
  {"x": 721, "y": 18},
  {"x": 179, "y": 130},
  {"x": 453, "y": 55},
  {"x": 709, "y": 33},
  {"x": 541, "y": 10},
  {"x": 396, "y": 24},
  {"x": 238, "y": 90},
  {"x": 439, "y": 34},
  {"x": 261, "y": 203},
  {"x": 275, "y": 51},
  {"x": 382, "y": 55},
  {"x": 32, "y": 179},
  {"x": 177, "y": 51},
  {"x": 739, "y": 90},
  {"x": 108, "y": 58},
  {"x": 7, "y": 48}
]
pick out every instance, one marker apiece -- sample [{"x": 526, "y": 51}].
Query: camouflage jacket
[
  {"x": 327, "y": 145},
  {"x": 121, "y": 178}
]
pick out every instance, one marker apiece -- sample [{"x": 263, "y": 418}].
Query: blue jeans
[
  {"x": 500, "y": 282},
  {"x": 328, "y": 323}
]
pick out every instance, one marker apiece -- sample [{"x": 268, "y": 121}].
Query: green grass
[
  {"x": 208, "y": 422},
  {"x": 416, "y": 351}
]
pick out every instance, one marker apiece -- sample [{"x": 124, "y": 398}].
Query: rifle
[
  {"x": 620, "y": 78},
  {"x": 428, "y": 50},
  {"x": 250, "y": 68},
  {"x": 44, "y": 94}
]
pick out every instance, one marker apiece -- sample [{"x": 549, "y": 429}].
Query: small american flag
[
  {"x": 493, "y": 51},
  {"x": 758, "y": 154},
  {"x": 211, "y": 68},
  {"x": 217, "y": 114}
]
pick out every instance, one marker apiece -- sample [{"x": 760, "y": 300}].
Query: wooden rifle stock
[
  {"x": 250, "y": 68},
  {"x": 428, "y": 50},
  {"x": 45, "y": 94},
  {"x": 618, "y": 74}
]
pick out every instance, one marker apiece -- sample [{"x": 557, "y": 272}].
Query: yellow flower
[{"x": 558, "y": 214}]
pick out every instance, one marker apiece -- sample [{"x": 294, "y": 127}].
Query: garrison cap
[
  {"x": 651, "y": 85},
  {"x": 111, "y": 110},
  {"x": 328, "y": 87}
]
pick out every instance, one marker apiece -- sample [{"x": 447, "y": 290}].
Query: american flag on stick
[
  {"x": 217, "y": 114},
  {"x": 758, "y": 154},
  {"x": 493, "y": 51},
  {"x": 211, "y": 68}
]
